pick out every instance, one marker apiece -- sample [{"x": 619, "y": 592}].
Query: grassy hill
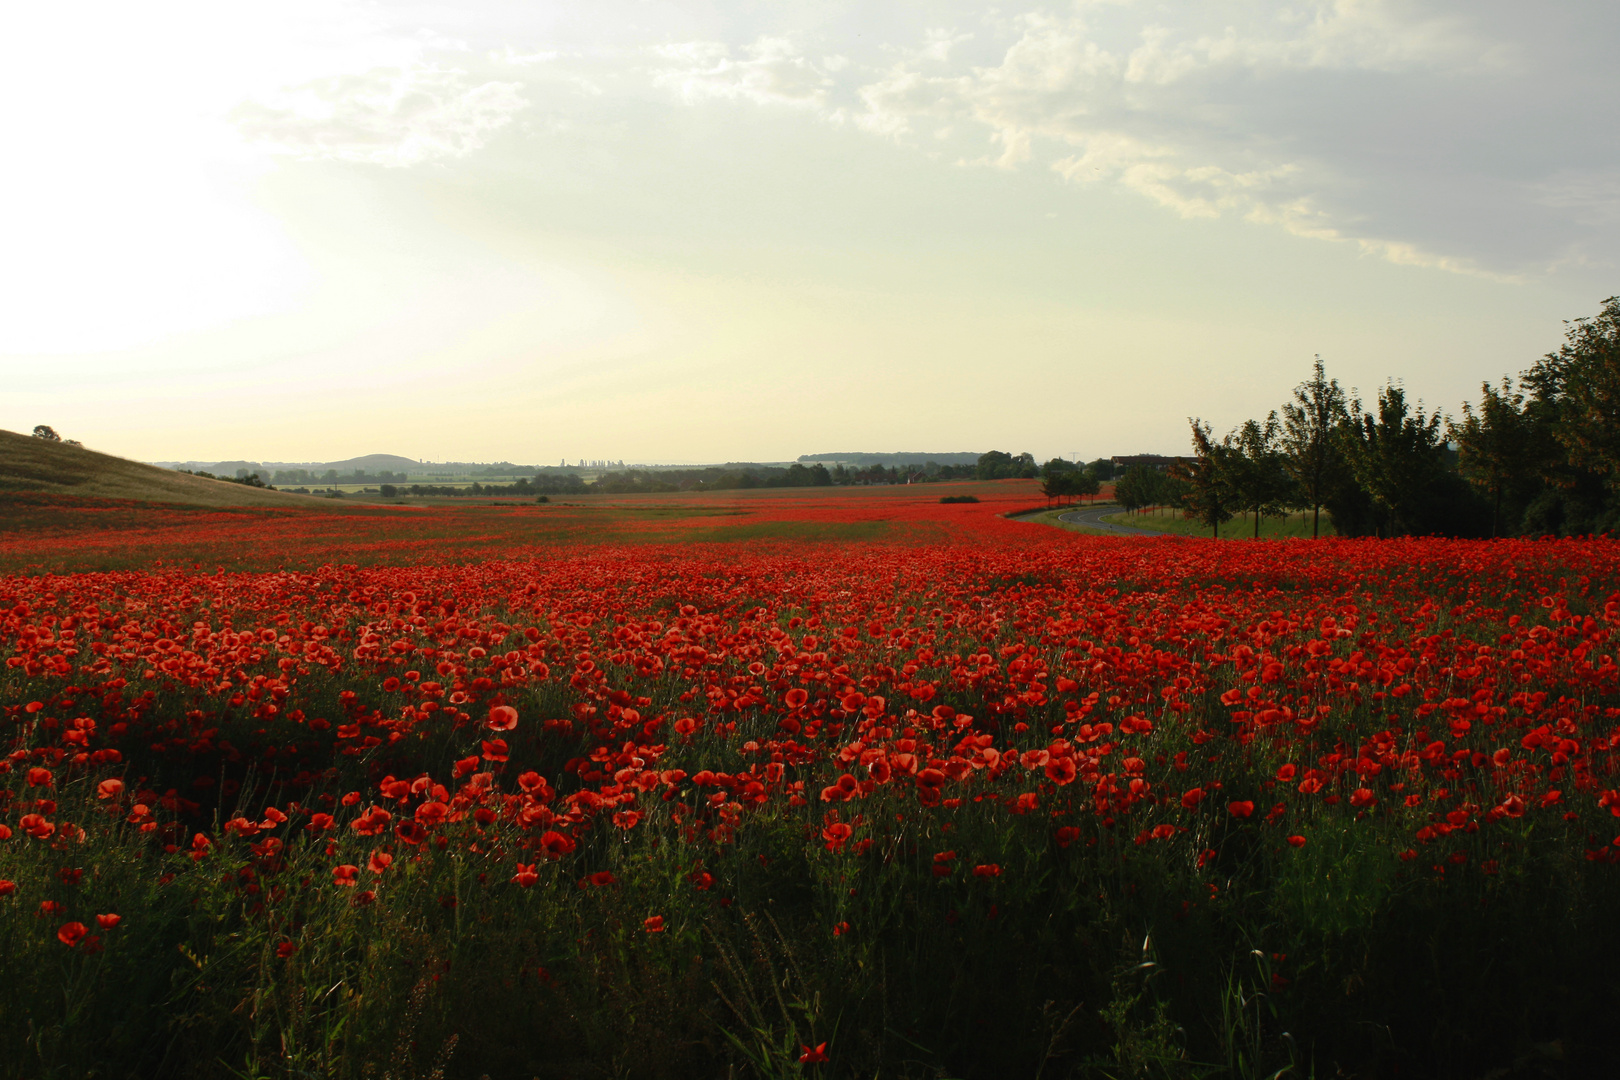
[{"x": 29, "y": 464}]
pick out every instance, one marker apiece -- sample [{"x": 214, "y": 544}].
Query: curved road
[{"x": 1092, "y": 518}]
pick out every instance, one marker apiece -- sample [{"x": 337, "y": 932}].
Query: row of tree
[
  {"x": 1000, "y": 465},
  {"x": 1538, "y": 456},
  {"x": 1063, "y": 479},
  {"x": 332, "y": 476}
]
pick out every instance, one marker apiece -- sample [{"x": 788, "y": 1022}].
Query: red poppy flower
[
  {"x": 379, "y": 861},
  {"x": 345, "y": 875},
  {"x": 1240, "y": 809},
  {"x": 525, "y": 875},
  {"x": 987, "y": 870},
  {"x": 836, "y": 835},
  {"x": 1297, "y": 841},
  {"x": 411, "y": 832},
  {"x": 654, "y": 924},
  {"x": 7, "y": 888},
  {"x": 36, "y": 826},
  {"x": 39, "y": 777},
  {"x": 286, "y": 949},
  {"x": 627, "y": 819},
  {"x": 812, "y": 1055},
  {"x": 107, "y": 922},
  {"x": 496, "y": 750},
  {"x": 602, "y": 877},
  {"x": 374, "y": 821},
  {"x": 1067, "y": 835},
  {"x": 110, "y": 789},
  {"x": 70, "y": 934},
  {"x": 502, "y": 718},
  {"x": 1192, "y": 798},
  {"x": 1362, "y": 797}
]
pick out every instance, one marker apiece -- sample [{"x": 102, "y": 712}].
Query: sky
[{"x": 727, "y": 231}]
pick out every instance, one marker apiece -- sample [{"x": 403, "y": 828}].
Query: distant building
[{"x": 1152, "y": 461}]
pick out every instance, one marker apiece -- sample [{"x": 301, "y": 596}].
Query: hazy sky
[{"x": 740, "y": 231}]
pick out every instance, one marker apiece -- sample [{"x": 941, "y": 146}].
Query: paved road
[{"x": 1092, "y": 518}]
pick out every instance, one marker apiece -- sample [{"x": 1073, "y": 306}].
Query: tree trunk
[{"x": 1316, "y": 513}]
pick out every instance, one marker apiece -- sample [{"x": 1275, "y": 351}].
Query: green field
[{"x": 1163, "y": 519}]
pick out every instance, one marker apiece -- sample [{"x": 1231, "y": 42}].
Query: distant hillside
[
  {"x": 29, "y": 464},
  {"x": 368, "y": 463},
  {"x": 375, "y": 463}
]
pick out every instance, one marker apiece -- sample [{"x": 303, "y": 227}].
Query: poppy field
[{"x": 854, "y": 784}]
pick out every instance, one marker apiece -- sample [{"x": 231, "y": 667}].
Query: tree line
[
  {"x": 1060, "y": 478},
  {"x": 1538, "y": 455}
]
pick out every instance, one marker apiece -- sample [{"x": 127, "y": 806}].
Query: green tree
[
  {"x": 995, "y": 465},
  {"x": 1141, "y": 486},
  {"x": 1082, "y": 484},
  {"x": 1569, "y": 490},
  {"x": 1583, "y": 378},
  {"x": 1260, "y": 476},
  {"x": 1496, "y": 445},
  {"x": 1209, "y": 478},
  {"x": 1395, "y": 457},
  {"x": 999, "y": 465},
  {"x": 1069, "y": 485},
  {"x": 46, "y": 432},
  {"x": 1310, "y": 453}
]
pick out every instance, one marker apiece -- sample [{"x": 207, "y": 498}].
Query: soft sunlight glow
[{"x": 664, "y": 234}]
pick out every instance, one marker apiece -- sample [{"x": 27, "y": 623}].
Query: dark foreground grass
[
  {"x": 1105, "y": 957},
  {"x": 961, "y": 813}
]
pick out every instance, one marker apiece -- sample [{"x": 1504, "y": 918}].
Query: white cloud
[
  {"x": 772, "y": 71},
  {"x": 385, "y": 116},
  {"x": 1201, "y": 120}
]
